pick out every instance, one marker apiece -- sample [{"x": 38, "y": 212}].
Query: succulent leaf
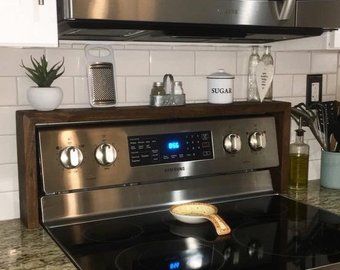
[{"x": 41, "y": 74}]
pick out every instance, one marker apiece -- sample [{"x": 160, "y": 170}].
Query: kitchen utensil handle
[
  {"x": 41, "y": 2},
  {"x": 287, "y": 7},
  {"x": 221, "y": 226}
]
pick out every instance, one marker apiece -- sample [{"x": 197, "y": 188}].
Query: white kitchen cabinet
[
  {"x": 28, "y": 23},
  {"x": 334, "y": 40},
  {"x": 327, "y": 41}
]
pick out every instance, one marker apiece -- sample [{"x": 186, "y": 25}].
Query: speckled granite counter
[
  {"x": 34, "y": 249},
  {"x": 328, "y": 199},
  {"x": 29, "y": 249}
]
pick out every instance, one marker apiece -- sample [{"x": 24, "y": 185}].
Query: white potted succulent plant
[{"x": 44, "y": 97}]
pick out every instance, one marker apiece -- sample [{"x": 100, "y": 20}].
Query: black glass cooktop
[{"x": 270, "y": 232}]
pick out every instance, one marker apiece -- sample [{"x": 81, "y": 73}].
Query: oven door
[{"x": 318, "y": 13}]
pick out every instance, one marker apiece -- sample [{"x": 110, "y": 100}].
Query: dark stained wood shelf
[{"x": 28, "y": 122}]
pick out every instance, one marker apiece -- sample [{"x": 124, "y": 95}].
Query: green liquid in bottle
[{"x": 298, "y": 171}]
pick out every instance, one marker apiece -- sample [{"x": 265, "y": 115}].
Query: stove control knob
[
  {"x": 257, "y": 140},
  {"x": 71, "y": 157},
  {"x": 232, "y": 143},
  {"x": 106, "y": 154}
]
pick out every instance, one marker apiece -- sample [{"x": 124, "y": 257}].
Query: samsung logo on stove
[
  {"x": 228, "y": 11},
  {"x": 177, "y": 169}
]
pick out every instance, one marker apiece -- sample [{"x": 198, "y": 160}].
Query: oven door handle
[{"x": 285, "y": 13}]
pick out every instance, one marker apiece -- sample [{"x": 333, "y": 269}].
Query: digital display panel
[{"x": 171, "y": 147}]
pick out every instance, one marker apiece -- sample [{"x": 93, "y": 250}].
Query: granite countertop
[
  {"x": 29, "y": 249},
  {"x": 327, "y": 199},
  {"x": 34, "y": 249}
]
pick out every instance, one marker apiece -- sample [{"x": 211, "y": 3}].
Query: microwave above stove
[{"x": 229, "y": 21}]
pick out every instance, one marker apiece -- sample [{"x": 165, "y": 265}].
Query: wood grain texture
[{"x": 28, "y": 122}]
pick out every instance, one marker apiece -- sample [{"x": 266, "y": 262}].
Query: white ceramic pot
[
  {"x": 45, "y": 98},
  {"x": 220, "y": 87}
]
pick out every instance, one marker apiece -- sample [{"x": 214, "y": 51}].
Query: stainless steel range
[{"x": 106, "y": 189}]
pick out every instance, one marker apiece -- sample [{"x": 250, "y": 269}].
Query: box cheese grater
[
  {"x": 101, "y": 84},
  {"x": 100, "y": 75}
]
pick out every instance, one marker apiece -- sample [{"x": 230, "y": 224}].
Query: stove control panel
[
  {"x": 99, "y": 155},
  {"x": 170, "y": 147}
]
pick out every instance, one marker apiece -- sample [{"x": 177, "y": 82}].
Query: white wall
[{"x": 137, "y": 66}]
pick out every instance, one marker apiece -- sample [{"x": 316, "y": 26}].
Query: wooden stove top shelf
[{"x": 29, "y": 120}]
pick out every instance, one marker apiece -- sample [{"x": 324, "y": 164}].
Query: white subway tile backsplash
[
  {"x": 174, "y": 62},
  {"x": 81, "y": 93},
  {"x": 66, "y": 85},
  {"x": 8, "y": 177},
  {"x": 132, "y": 63},
  {"x": 147, "y": 47},
  {"x": 209, "y": 62},
  {"x": 292, "y": 63},
  {"x": 9, "y": 202},
  {"x": 282, "y": 85},
  {"x": 314, "y": 169},
  {"x": 195, "y": 88},
  {"x": 324, "y": 62},
  {"x": 7, "y": 120},
  {"x": 314, "y": 150},
  {"x": 138, "y": 89},
  {"x": 193, "y": 48},
  {"x": 293, "y": 100},
  {"x": 240, "y": 87},
  {"x": 75, "y": 62},
  {"x": 299, "y": 85},
  {"x": 222, "y": 47},
  {"x": 328, "y": 97},
  {"x": 11, "y": 60},
  {"x": 121, "y": 89},
  {"x": 137, "y": 66},
  {"x": 8, "y": 90},
  {"x": 66, "y": 46},
  {"x": 23, "y": 84},
  {"x": 324, "y": 84},
  {"x": 331, "y": 84},
  {"x": 243, "y": 62},
  {"x": 8, "y": 149}
]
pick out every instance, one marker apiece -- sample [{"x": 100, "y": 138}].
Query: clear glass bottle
[
  {"x": 254, "y": 59},
  {"x": 298, "y": 158},
  {"x": 267, "y": 59}
]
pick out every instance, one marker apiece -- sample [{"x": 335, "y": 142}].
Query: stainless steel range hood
[{"x": 226, "y": 21}]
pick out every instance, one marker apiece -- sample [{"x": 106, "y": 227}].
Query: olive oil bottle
[{"x": 298, "y": 157}]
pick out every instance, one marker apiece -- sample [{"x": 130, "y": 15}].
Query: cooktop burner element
[
  {"x": 262, "y": 208},
  {"x": 186, "y": 254},
  {"x": 108, "y": 231},
  {"x": 303, "y": 237}
]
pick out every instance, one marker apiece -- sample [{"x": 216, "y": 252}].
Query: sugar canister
[{"x": 220, "y": 87}]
